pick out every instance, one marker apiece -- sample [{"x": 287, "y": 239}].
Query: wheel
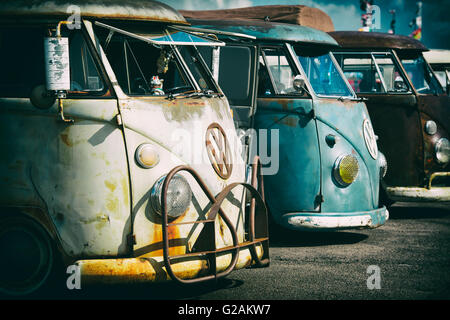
[{"x": 26, "y": 253}]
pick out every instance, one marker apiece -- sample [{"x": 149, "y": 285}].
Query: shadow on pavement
[
  {"x": 419, "y": 210},
  {"x": 151, "y": 291},
  {"x": 288, "y": 238}
]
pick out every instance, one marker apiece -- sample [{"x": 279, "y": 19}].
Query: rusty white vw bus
[{"x": 118, "y": 150}]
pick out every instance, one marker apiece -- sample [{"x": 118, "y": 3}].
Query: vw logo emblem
[
  {"x": 218, "y": 150},
  {"x": 369, "y": 137}
]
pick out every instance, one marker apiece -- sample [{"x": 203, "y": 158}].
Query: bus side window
[
  {"x": 84, "y": 75},
  {"x": 21, "y": 61}
]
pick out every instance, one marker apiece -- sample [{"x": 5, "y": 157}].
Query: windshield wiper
[{"x": 191, "y": 94}]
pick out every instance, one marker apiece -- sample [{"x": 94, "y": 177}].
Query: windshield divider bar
[
  {"x": 403, "y": 71},
  {"x": 379, "y": 73},
  {"x": 341, "y": 72}
]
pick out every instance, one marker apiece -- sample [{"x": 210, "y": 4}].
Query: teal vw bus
[{"x": 321, "y": 164}]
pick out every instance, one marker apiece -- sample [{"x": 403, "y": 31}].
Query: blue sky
[{"x": 346, "y": 14}]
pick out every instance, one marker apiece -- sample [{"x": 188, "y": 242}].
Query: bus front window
[
  {"x": 421, "y": 76},
  {"x": 323, "y": 74}
]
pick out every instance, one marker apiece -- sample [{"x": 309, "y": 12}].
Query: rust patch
[
  {"x": 124, "y": 183},
  {"x": 111, "y": 186},
  {"x": 65, "y": 139},
  {"x": 195, "y": 103},
  {"x": 112, "y": 204},
  {"x": 288, "y": 121},
  {"x": 157, "y": 242},
  {"x": 177, "y": 245}
]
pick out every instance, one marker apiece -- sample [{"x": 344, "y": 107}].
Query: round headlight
[
  {"x": 442, "y": 150},
  {"x": 383, "y": 164},
  {"x": 430, "y": 127},
  {"x": 179, "y": 196},
  {"x": 146, "y": 156},
  {"x": 346, "y": 169}
]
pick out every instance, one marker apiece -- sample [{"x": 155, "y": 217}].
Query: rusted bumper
[
  {"x": 142, "y": 270},
  {"x": 411, "y": 194},
  {"x": 336, "y": 221}
]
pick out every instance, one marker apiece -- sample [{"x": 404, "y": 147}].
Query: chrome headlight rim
[
  {"x": 370, "y": 139},
  {"x": 337, "y": 166},
  {"x": 430, "y": 127},
  {"x": 156, "y": 196},
  {"x": 442, "y": 151},
  {"x": 382, "y": 161}
]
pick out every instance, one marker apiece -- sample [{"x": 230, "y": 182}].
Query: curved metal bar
[
  {"x": 258, "y": 184},
  {"x": 215, "y": 209}
]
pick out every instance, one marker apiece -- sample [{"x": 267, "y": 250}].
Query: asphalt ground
[{"x": 406, "y": 259}]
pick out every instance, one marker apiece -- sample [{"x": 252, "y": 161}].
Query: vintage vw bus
[
  {"x": 96, "y": 115},
  {"x": 321, "y": 164},
  {"x": 439, "y": 60},
  {"x": 409, "y": 110}
]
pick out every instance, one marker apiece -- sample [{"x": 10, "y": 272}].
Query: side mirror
[
  {"x": 399, "y": 84},
  {"x": 299, "y": 84},
  {"x": 41, "y": 98}
]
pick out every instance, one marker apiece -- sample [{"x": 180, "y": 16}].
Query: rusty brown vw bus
[{"x": 409, "y": 110}]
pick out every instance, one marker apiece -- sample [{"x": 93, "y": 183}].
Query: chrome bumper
[
  {"x": 415, "y": 194},
  {"x": 336, "y": 221}
]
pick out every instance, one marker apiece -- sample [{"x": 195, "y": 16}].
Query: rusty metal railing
[{"x": 258, "y": 229}]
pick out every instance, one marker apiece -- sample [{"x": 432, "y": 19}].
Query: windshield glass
[
  {"x": 372, "y": 73},
  {"x": 421, "y": 76},
  {"x": 323, "y": 74},
  {"x": 442, "y": 77},
  {"x": 147, "y": 69}
]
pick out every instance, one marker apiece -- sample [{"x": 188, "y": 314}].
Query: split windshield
[
  {"x": 323, "y": 74},
  {"x": 170, "y": 65},
  {"x": 421, "y": 76},
  {"x": 372, "y": 72}
]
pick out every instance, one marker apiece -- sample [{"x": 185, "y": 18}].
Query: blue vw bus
[{"x": 321, "y": 163}]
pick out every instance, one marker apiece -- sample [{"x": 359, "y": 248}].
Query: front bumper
[
  {"x": 336, "y": 221},
  {"x": 414, "y": 194},
  {"x": 144, "y": 270}
]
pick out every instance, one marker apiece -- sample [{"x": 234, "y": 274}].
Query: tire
[{"x": 26, "y": 256}]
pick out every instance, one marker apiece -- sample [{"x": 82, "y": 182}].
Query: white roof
[{"x": 437, "y": 56}]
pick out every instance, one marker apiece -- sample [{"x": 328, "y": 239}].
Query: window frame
[
  {"x": 294, "y": 67},
  {"x": 107, "y": 91},
  {"x": 179, "y": 60},
  {"x": 352, "y": 95}
]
